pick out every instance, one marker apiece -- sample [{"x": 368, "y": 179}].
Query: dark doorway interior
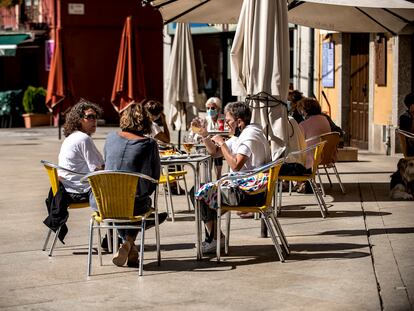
[
  {"x": 212, "y": 52},
  {"x": 359, "y": 91}
]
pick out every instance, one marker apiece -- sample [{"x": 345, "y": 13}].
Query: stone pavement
[{"x": 359, "y": 258}]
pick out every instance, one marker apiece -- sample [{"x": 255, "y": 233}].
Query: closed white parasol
[{"x": 260, "y": 66}]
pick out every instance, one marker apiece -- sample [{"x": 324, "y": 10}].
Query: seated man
[{"x": 247, "y": 149}]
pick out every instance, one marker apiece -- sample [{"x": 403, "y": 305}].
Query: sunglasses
[
  {"x": 90, "y": 116},
  {"x": 211, "y": 108}
]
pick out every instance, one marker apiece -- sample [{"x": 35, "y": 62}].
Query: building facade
[
  {"x": 359, "y": 79},
  {"x": 91, "y": 39}
]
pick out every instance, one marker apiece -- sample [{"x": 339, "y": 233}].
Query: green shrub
[{"x": 34, "y": 100}]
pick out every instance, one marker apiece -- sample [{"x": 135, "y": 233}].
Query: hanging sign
[{"x": 328, "y": 64}]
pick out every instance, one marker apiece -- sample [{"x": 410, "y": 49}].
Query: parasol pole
[
  {"x": 181, "y": 124},
  {"x": 59, "y": 125},
  {"x": 270, "y": 101}
]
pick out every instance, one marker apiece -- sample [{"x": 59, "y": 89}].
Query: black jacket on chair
[{"x": 57, "y": 208}]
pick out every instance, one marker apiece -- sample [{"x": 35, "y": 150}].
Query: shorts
[{"x": 218, "y": 161}]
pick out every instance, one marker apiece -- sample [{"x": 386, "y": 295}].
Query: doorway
[
  {"x": 359, "y": 90},
  {"x": 212, "y": 52}
]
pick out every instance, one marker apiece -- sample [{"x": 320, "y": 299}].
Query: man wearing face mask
[{"x": 247, "y": 149}]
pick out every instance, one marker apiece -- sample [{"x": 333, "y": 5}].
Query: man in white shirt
[{"x": 247, "y": 149}]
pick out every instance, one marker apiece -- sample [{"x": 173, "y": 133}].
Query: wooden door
[{"x": 359, "y": 91}]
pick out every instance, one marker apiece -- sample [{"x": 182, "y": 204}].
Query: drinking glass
[{"x": 188, "y": 143}]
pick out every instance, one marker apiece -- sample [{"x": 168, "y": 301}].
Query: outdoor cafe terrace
[{"x": 358, "y": 258}]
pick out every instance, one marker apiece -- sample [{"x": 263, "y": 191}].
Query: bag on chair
[{"x": 231, "y": 195}]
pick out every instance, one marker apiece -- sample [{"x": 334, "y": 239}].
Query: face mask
[
  {"x": 289, "y": 105},
  {"x": 212, "y": 113},
  {"x": 237, "y": 132}
]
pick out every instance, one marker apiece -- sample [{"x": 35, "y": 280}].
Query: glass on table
[{"x": 188, "y": 143}]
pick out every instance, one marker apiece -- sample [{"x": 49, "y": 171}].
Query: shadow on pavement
[
  {"x": 403, "y": 230},
  {"x": 312, "y": 247},
  {"x": 257, "y": 254},
  {"x": 332, "y": 214},
  {"x": 339, "y": 255}
]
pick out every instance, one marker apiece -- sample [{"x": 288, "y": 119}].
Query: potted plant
[{"x": 34, "y": 104}]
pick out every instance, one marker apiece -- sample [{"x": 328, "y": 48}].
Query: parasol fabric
[
  {"x": 129, "y": 83},
  {"x": 181, "y": 79},
  {"x": 56, "y": 82},
  {"x": 260, "y": 65},
  {"x": 199, "y": 11},
  {"x": 393, "y": 16}
]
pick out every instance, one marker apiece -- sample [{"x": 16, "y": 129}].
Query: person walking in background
[
  {"x": 406, "y": 122},
  {"x": 78, "y": 152}
]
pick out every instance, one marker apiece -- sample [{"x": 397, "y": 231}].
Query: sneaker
[
  {"x": 211, "y": 247},
  {"x": 133, "y": 256},
  {"x": 121, "y": 255}
]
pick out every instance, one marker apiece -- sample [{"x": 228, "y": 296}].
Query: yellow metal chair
[
  {"x": 172, "y": 177},
  {"x": 328, "y": 158},
  {"x": 51, "y": 170},
  {"x": 114, "y": 193},
  {"x": 404, "y": 136},
  {"x": 316, "y": 150},
  {"x": 267, "y": 210}
]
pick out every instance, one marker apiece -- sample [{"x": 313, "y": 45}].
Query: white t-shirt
[
  {"x": 296, "y": 142},
  {"x": 253, "y": 144},
  {"x": 78, "y": 153},
  {"x": 155, "y": 130}
]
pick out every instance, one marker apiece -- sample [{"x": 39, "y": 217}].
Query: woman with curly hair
[
  {"x": 78, "y": 152},
  {"x": 130, "y": 150}
]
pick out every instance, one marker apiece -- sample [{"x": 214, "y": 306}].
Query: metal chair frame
[
  {"x": 332, "y": 141},
  {"x": 267, "y": 210},
  {"x": 166, "y": 180},
  {"x": 318, "y": 149},
  {"x": 51, "y": 169},
  {"x": 115, "y": 196}
]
